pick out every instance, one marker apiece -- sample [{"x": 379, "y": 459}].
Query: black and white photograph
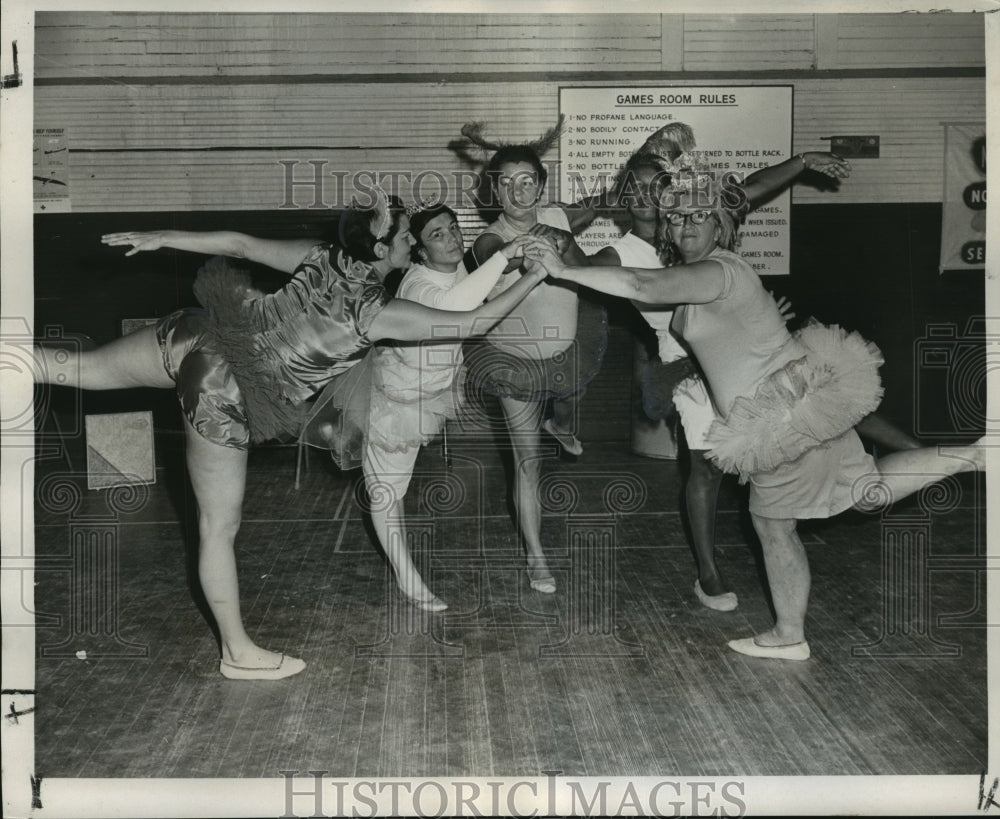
[{"x": 523, "y": 409}]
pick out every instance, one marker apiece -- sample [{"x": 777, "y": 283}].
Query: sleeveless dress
[{"x": 247, "y": 365}]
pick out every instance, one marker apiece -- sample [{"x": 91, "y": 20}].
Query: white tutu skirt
[
  {"x": 401, "y": 421},
  {"x": 355, "y": 409},
  {"x": 807, "y": 402},
  {"x": 338, "y": 419}
]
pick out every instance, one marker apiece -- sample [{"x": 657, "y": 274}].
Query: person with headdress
[
  {"x": 417, "y": 388},
  {"x": 246, "y": 366},
  {"x": 538, "y": 361},
  {"x": 787, "y": 403}
]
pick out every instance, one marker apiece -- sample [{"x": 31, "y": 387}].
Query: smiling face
[
  {"x": 518, "y": 187},
  {"x": 644, "y": 184},
  {"x": 441, "y": 242}
]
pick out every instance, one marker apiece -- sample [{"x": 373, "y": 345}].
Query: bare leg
[
  {"x": 387, "y": 478},
  {"x": 562, "y": 424},
  {"x": 523, "y": 424},
  {"x": 789, "y": 579},
  {"x": 701, "y": 495},
  {"x": 218, "y": 476},
  {"x": 903, "y": 473},
  {"x": 880, "y": 431},
  {"x": 131, "y": 361}
]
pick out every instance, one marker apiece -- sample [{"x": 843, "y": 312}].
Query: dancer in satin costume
[
  {"x": 787, "y": 403},
  {"x": 245, "y": 368}
]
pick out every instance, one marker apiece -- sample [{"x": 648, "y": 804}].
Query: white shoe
[
  {"x": 567, "y": 440},
  {"x": 719, "y": 602},
  {"x": 792, "y": 651}
]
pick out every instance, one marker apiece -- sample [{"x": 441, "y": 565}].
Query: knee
[
  {"x": 771, "y": 530},
  {"x": 219, "y": 525}
]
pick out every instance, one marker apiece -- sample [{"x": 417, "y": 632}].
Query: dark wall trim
[{"x": 525, "y": 76}]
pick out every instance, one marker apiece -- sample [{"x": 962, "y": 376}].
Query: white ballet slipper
[
  {"x": 286, "y": 667},
  {"x": 718, "y": 602},
  {"x": 750, "y": 647}
]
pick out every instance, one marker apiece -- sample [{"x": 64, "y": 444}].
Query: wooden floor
[{"x": 621, "y": 672}]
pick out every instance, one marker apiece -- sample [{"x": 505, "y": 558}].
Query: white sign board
[{"x": 739, "y": 129}]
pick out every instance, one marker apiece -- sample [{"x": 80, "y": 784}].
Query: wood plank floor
[{"x": 621, "y": 672}]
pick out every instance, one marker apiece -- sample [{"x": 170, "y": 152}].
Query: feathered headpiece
[
  {"x": 474, "y": 137},
  {"x": 693, "y": 183},
  {"x": 668, "y": 142}
]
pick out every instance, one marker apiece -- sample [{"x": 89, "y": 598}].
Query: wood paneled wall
[{"x": 198, "y": 111}]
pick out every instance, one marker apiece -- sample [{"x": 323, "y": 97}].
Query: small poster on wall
[
  {"x": 963, "y": 215},
  {"x": 50, "y": 171},
  {"x": 738, "y": 129}
]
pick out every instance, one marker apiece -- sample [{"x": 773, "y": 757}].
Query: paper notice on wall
[
  {"x": 50, "y": 171},
  {"x": 738, "y": 129},
  {"x": 963, "y": 214}
]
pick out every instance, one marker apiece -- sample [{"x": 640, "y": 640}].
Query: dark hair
[
  {"x": 626, "y": 183},
  {"x": 512, "y": 154},
  {"x": 356, "y": 225},
  {"x": 419, "y": 220}
]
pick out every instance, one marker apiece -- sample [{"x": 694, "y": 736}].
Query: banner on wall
[
  {"x": 739, "y": 129},
  {"x": 50, "y": 171},
  {"x": 963, "y": 215}
]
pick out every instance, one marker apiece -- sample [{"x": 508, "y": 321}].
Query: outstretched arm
[
  {"x": 584, "y": 212},
  {"x": 767, "y": 181},
  {"x": 695, "y": 283},
  {"x": 404, "y": 320},
  {"x": 279, "y": 254}
]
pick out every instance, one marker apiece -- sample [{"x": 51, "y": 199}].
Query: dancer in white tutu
[
  {"x": 787, "y": 404},
  {"x": 415, "y": 389}
]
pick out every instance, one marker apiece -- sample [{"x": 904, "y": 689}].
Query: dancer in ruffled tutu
[
  {"x": 787, "y": 404},
  {"x": 245, "y": 368},
  {"x": 673, "y": 383},
  {"x": 414, "y": 386},
  {"x": 538, "y": 361}
]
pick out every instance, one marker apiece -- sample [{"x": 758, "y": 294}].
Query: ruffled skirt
[
  {"x": 807, "y": 402},
  {"x": 397, "y": 424}
]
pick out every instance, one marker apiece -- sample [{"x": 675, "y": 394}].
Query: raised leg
[
  {"x": 523, "y": 424},
  {"x": 903, "y": 473},
  {"x": 218, "y": 476},
  {"x": 387, "y": 477},
  {"x": 131, "y": 361},
  {"x": 882, "y": 432},
  {"x": 562, "y": 424}
]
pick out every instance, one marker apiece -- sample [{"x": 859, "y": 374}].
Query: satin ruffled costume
[{"x": 279, "y": 349}]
